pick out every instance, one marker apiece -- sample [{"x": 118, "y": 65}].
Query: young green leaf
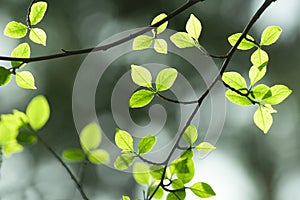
[
  {"x": 263, "y": 119},
  {"x": 165, "y": 79},
  {"x": 237, "y": 99},
  {"x": 15, "y": 30},
  {"x": 202, "y": 190},
  {"x": 142, "y": 42},
  {"x": 11, "y": 148},
  {"x": 73, "y": 155},
  {"x": 156, "y": 171},
  {"x": 124, "y": 140},
  {"x": 270, "y": 35},
  {"x": 279, "y": 93},
  {"x": 256, "y": 74},
  {"x": 176, "y": 195},
  {"x": 38, "y": 112},
  {"x": 5, "y": 76},
  {"x": 27, "y": 138},
  {"x": 158, "y": 194},
  {"x": 141, "y": 76},
  {"x": 193, "y": 27},
  {"x": 260, "y": 91},
  {"x": 205, "y": 147},
  {"x": 90, "y": 137},
  {"x": 141, "y": 98},
  {"x": 37, "y": 12},
  {"x": 125, "y": 198},
  {"x": 21, "y": 51},
  {"x": 123, "y": 161},
  {"x": 245, "y": 44},
  {"x": 190, "y": 134},
  {"x": 38, "y": 36},
  {"x": 182, "y": 40},
  {"x": 99, "y": 156},
  {"x": 160, "y": 46},
  {"x": 25, "y": 80},
  {"x": 184, "y": 169},
  {"x": 141, "y": 173},
  {"x": 7, "y": 134},
  {"x": 235, "y": 80},
  {"x": 259, "y": 58},
  {"x": 162, "y": 27},
  {"x": 146, "y": 144}
]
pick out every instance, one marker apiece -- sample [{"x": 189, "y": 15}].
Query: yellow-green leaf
[
  {"x": 38, "y": 36},
  {"x": 141, "y": 98},
  {"x": 25, "y": 80},
  {"x": 146, "y": 144},
  {"x": 245, "y": 44},
  {"x": 5, "y": 76},
  {"x": 73, "y": 155},
  {"x": 278, "y": 94},
  {"x": 270, "y": 35},
  {"x": 190, "y": 134},
  {"x": 160, "y": 46},
  {"x": 15, "y": 30},
  {"x": 99, "y": 156},
  {"x": 124, "y": 141},
  {"x": 263, "y": 119},
  {"x": 141, "y": 173},
  {"x": 123, "y": 161},
  {"x": 234, "y": 80},
  {"x": 90, "y": 137},
  {"x": 205, "y": 147},
  {"x": 21, "y": 51},
  {"x": 37, "y": 12},
  {"x": 141, "y": 76},
  {"x": 259, "y": 58},
  {"x": 165, "y": 79},
  {"x": 162, "y": 27},
  {"x": 202, "y": 190},
  {"x": 142, "y": 42},
  {"x": 182, "y": 40},
  {"x": 193, "y": 27},
  {"x": 237, "y": 99}
]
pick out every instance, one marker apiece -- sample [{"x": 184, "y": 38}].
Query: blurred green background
[{"x": 246, "y": 165}]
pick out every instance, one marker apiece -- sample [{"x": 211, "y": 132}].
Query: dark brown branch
[
  {"x": 67, "y": 53},
  {"x": 176, "y": 101}
]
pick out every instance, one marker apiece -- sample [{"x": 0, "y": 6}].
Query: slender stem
[
  {"x": 148, "y": 161},
  {"x": 230, "y": 54},
  {"x": 176, "y": 101},
  {"x": 79, "y": 187}
]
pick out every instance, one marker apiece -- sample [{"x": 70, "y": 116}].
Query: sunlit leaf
[
  {"x": 5, "y": 76},
  {"x": 165, "y": 79},
  {"x": 11, "y": 148},
  {"x": 278, "y": 94},
  {"x": 270, "y": 35},
  {"x": 146, "y": 144},
  {"x": 193, "y": 27},
  {"x": 141, "y": 173},
  {"x": 160, "y": 46},
  {"x": 73, "y": 155},
  {"x": 184, "y": 169},
  {"x": 259, "y": 58},
  {"x": 260, "y": 91},
  {"x": 15, "y": 30},
  {"x": 263, "y": 119},
  {"x": 141, "y": 76},
  {"x": 237, "y": 98},
  {"x": 256, "y": 73},
  {"x": 125, "y": 198},
  {"x": 156, "y": 171},
  {"x": 124, "y": 140},
  {"x": 123, "y": 161},
  {"x": 234, "y": 80},
  {"x": 205, "y": 147},
  {"x": 21, "y": 51},
  {"x": 25, "y": 80},
  {"x": 141, "y": 98},
  {"x": 90, "y": 137},
  {"x": 158, "y": 194},
  {"x": 99, "y": 156},
  {"x": 37, "y": 12},
  {"x": 190, "y": 134},
  {"x": 142, "y": 42},
  {"x": 38, "y": 36},
  {"x": 182, "y": 40},
  {"x": 162, "y": 27},
  {"x": 202, "y": 190},
  {"x": 245, "y": 44},
  {"x": 38, "y": 112}
]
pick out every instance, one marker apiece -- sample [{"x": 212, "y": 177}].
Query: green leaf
[
  {"x": 193, "y": 27},
  {"x": 260, "y": 91},
  {"x": 21, "y": 51},
  {"x": 190, "y": 134},
  {"x": 245, "y": 44},
  {"x": 123, "y": 161},
  {"x": 162, "y": 27},
  {"x": 99, "y": 156},
  {"x": 184, "y": 169},
  {"x": 202, "y": 190},
  {"x": 5, "y": 76},
  {"x": 158, "y": 194},
  {"x": 141, "y": 173},
  {"x": 90, "y": 137},
  {"x": 279, "y": 93},
  {"x": 237, "y": 99},
  {"x": 234, "y": 80},
  {"x": 141, "y": 76},
  {"x": 38, "y": 112},
  {"x": 259, "y": 58},
  {"x": 25, "y": 80},
  {"x": 270, "y": 35},
  {"x": 165, "y": 79},
  {"x": 73, "y": 155},
  {"x": 263, "y": 119},
  {"x": 124, "y": 140},
  {"x": 146, "y": 144},
  {"x": 11, "y": 148},
  {"x": 156, "y": 171},
  {"x": 125, "y": 198},
  {"x": 256, "y": 74},
  {"x": 15, "y": 30},
  {"x": 38, "y": 36},
  {"x": 205, "y": 147},
  {"x": 182, "y": 40},
  {"x": 27, "y": 138},
  {"x": 160, "y": 46},
  {"x": 37, "y": 12},
  {"x": 141, "y": 98},
  {"x": 7, "y": 135},
  {"x": 142, "y": 42}
]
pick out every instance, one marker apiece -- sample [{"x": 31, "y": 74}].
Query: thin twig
[
  {"x": 79, "y": 187},
  {"x": 176, "y": 101}
]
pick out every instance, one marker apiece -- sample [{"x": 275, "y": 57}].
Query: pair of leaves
[
  {"x": 90, "y": 139},
  {"x": 191, "y": 36},
  {"x": 160, "y": 45},
  {"x": 269, "y": 36},
  {"x": 19, "y": 30},
  {"x": 142, "y": 77}
]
